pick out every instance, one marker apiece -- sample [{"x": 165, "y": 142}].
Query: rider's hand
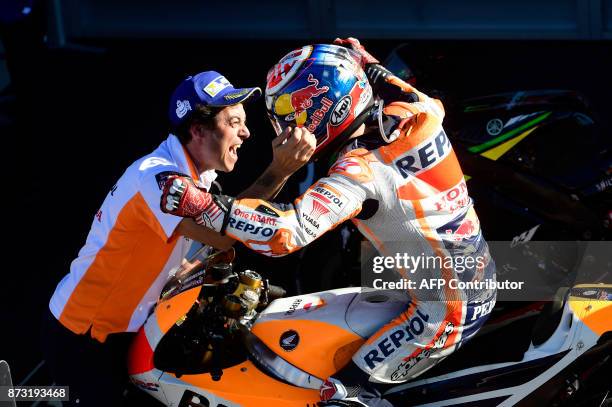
[
  {"x": 384, "y": 83},
  {"x": 182, "y": 197},
  {"x": 355, "y": 45},
  {"x": 292, "y": 149}
]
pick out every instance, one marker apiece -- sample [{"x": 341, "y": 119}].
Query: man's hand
[
  {"x": 355, "y": 45},
  {"x": 292, "y": 149}
]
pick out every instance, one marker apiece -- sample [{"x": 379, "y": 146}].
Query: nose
[{"x": 244, "y": 133}]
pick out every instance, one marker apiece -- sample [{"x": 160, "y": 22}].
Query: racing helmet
[{"x": 321, "y": 87}]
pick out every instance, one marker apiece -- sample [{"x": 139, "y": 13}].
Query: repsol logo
[
  {"x": 250, "y": 228},
  {"x": 425, "y": 156},
  {"x": 482, "y": 310},
  {"x": 328, "y": 196},
  {"x": 390, "y": 343},
  {"x": 341, "y": 111}
]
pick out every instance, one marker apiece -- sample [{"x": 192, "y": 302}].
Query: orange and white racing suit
[{"x": 415, "y": 193}]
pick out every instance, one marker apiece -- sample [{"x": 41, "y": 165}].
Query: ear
[{"x": 197, "y": 131}]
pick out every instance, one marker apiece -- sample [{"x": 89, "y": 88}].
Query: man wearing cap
[{"x": 132, "y": 245}]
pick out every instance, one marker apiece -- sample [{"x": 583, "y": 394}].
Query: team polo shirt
[{"x": 130, "y": 250}]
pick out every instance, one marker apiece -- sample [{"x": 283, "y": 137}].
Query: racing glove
[
  {"x": 384, "y": 83},
  {"x": 182, "y": 197},
  {"x": 355, "y": 45}
]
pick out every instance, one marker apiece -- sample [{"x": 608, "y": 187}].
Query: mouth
[{"x": 233, "y": 150}]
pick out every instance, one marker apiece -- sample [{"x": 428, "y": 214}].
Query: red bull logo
[
  {"x": 294, "y": 104},
  {"x": 465, "y": 229}
]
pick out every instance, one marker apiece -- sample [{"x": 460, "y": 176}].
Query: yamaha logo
[
  {"x": 494, "y": 127},
  {"x": 341, "y": 110},
  {"x": 289, "y": 340}
]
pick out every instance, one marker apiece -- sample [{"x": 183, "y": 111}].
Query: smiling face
[{"x": 216, "y": 148}]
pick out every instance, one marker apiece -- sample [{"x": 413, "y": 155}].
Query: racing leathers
[{"x": 404, "y": 194}]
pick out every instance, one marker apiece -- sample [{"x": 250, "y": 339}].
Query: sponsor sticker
[
  {"x": 329, "y": 199},
  {"x": 424, "y": 157},
  {"x": 182, "y": 108},
  {"x": 319, "y": 114},
  {"x": 403, "y": 370},
  {"x": 255, "y": 217},
  {"x": 310, "y": 220},
  {"x": 216, "y": 86},
  {"x": 162, "y": 177},
  {"x": 388, "y": 344},
  {"x": 341, "y": 111},
  {"x": 318, "y": 209},
  {"x": 246, "y": 226},
  {"x": 289, "y": 340},
  {"x": 454, "y": 199},
  {"x": 494, "y": 127},
  {"x": 294, "y": 306}
]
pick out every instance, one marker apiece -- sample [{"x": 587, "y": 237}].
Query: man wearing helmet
[{"x": 396, "y": 177}]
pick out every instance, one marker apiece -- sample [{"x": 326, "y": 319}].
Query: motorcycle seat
[{"x": 370, "y": 310}]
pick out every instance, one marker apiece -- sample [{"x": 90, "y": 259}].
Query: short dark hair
[{"x": 202, "y": 114}]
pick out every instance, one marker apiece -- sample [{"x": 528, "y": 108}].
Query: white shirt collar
[{"x": 185, "y": 164}]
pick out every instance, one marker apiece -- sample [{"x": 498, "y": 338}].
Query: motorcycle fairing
[
  {"x": 584, "y": 321},
  {"x": 316, "y": 324},
  {"x": 240, "y": 385},
  {"x": 140, "y": 358},
  {"x": 330, "y": 324}
]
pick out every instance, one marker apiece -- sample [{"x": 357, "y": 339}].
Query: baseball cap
[{"x": 208, "y": 88}]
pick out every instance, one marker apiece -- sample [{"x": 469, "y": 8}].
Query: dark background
[{"x": 74, "y": 119}]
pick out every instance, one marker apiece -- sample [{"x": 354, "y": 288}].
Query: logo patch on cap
[
  {"x": 182, "y": 107},
  {"x": 217, "y": 86}
]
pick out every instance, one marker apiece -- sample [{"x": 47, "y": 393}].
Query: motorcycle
[{"x": 219, "y": 337}]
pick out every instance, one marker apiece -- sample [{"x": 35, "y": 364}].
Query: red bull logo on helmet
[{"x": 294, "y": 105}]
